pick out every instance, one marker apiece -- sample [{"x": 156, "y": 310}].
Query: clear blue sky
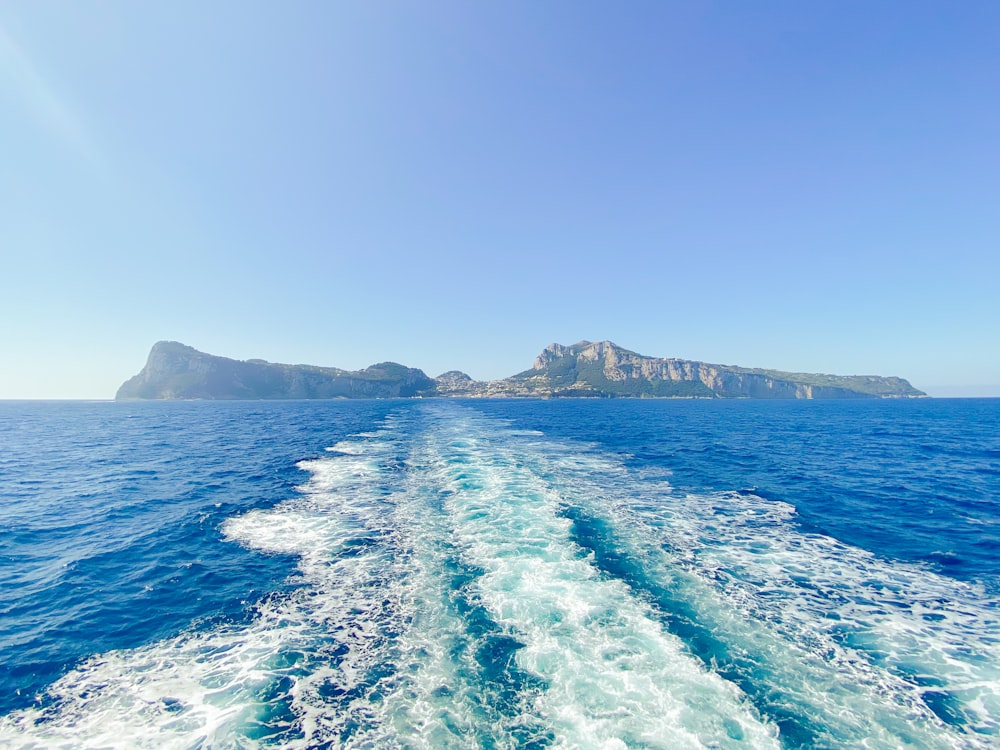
[{"x": 810, "y": 186}]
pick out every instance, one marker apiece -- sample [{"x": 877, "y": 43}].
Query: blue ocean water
[{"x": 500, "y": 574}]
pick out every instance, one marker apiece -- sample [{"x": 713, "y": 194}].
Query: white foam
[
  {"x": 212, "y": 688},
  {"x": 614, "y": 677},
  {"x": 369, "y": 651},
  {"x": 901, "y": 620},
  {"x": 851, "y": 641}
]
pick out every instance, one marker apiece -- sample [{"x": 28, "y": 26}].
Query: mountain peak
[
  {"x": 177, "y": 371},
  {"x": 591, "y": 350},
  {"x": 603, "y": 368}
]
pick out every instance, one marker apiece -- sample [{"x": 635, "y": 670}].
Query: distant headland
[{"x": 583, "y": 370}]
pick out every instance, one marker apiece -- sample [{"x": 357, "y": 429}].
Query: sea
[{"x": 444, "y": 573}]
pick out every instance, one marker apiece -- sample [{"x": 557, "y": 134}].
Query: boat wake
[{"x": 464, "y": 584}]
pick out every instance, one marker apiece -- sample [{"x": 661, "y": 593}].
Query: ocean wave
[{"x": 461, "y": 584}]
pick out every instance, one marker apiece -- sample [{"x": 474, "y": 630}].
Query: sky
[{"x": 811, "y": 187}]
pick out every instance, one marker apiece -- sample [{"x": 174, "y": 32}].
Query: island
[{"x": 583, "y": 370}]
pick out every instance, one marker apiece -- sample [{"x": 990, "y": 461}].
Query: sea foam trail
[
  {"x": 835, "y": 645},
  {"x": 381, "y": 646},
  {"x": 244, "y": 686},
  {"x": 614, "y": 678},
  {"x": 934, "y": 641}
]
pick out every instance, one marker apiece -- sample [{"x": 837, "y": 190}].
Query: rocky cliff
[
  {"x": 176, "y": 371},
  {"x": 605, "y": 369},
  {"x": 585, "y": 369}
]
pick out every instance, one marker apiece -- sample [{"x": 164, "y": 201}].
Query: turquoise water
[{"x": 504, "y": 574}]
